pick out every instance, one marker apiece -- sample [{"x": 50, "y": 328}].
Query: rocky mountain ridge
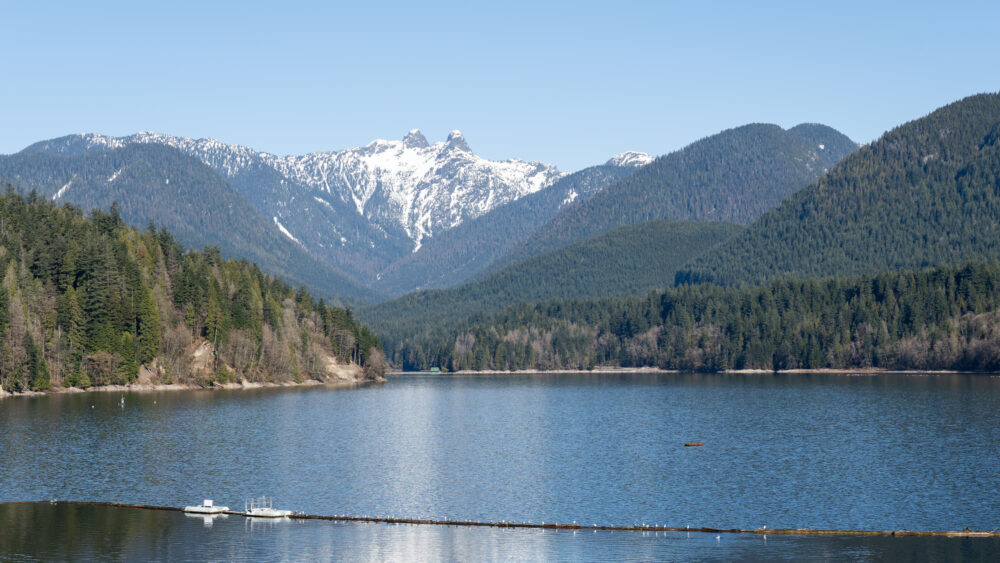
[
  {"x": 409, "y": 185},
  {"x": 364, "y": 208}
]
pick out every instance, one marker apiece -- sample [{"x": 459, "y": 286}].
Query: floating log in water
[
  {"x": 573, "y": 526},
  {"x": 689, "y": 444}
]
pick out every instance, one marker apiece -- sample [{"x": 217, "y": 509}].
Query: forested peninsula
[{"x": 88, "y": 301}]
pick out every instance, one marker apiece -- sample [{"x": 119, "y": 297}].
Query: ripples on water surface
[{"x": 820, "y": 451}]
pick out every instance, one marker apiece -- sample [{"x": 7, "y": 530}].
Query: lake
[{"x": 916, "y": 452}]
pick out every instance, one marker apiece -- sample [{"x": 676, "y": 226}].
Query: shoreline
[
  {"x": 857, "y": 371},
  {"x": 750, "y": 371},
  {"x": 158, "y": 387},
  {"x": 539, "y": 371},
  {"x": 146, "y": 387}
]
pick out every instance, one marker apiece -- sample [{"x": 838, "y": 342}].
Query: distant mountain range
[
  {"x": 361, "y": 208},
  {"x": 367, "y": 212},
  {"x": 395, "y": 216},
  {"x": 477, "y": 237}
]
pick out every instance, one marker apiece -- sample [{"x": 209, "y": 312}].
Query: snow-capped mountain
[
  {"x": 408, "y": 185},
  {"x": 421, "y": 187},
  {"x": 458, "y": 254}
]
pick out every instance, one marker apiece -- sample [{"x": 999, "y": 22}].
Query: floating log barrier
[
  {"x": 690, "y": 444},
  {"x": 554, "y": 526}
]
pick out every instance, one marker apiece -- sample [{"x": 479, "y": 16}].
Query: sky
[{"x": 570, "y": 83}]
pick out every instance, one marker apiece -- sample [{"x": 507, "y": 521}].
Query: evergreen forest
[
  {"x": 733, "y": 176},
  {"x": 630, "y": 260},
  {"x": 926, "y": 193},
  {"x": 942, "y": 318},
  {"x": 89, "y": 301}
]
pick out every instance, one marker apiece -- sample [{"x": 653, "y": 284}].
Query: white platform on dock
[{"x": 206, "y": 507}]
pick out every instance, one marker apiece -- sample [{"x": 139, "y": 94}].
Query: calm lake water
[{"x": 818, "y": 451}]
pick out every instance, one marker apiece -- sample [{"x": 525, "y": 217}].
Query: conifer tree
[
  {"x": 38, "y": 370},
  {"x": 147, "y": 326}
]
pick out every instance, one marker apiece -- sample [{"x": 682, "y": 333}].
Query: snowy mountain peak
[
  {"x": 415, "y": 140},
  {"x": 457, "y": 141},
  {"x": 630, "y": 159},
  {"x": 407, "y": 188}
]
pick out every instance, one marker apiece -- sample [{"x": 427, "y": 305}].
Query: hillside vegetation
[
  {"x": 91, "y": 301},
  {"x": 943, "y": 318},
  {"x": 926, "y": 193},
  {"x": 733, "y": 176},
  {"x": 632, "y": 259}
]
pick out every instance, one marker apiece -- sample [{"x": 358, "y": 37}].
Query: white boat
[
  {"x": 206, "y": 507},
  {"x": 262, "y": 508}
]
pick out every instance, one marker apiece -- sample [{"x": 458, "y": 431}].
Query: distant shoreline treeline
[
  {"x": 91, "y": 301},
  {"x": 946, "y": 318}
]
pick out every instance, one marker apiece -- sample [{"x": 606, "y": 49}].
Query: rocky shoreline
[{"x": 146, "y": 387}]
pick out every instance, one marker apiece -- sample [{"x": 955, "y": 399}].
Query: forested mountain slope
[
  {"x": 733, "y": 176},
  {"x": 831, "y": 145},
  {"x": 94, "y": 302},
  {"x": 455, "y": 255},
  {"x": 631, "y": 259},
  {"x": 153, "y": 182},
  {"x": 927, "y": 192}
]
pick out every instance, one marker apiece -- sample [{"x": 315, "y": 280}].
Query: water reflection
[
  {"x": 90, "y": 533},
  {"x": 207, "y": 519}
]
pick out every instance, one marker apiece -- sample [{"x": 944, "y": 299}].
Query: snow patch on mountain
[
  {"x": 92, "y": 141},
  {"x": 284, "y": 231},
  {"x": 324, "y": 202},
  {"x": 227, "y": 159},
  {"x": 62, "y": 190},
  {"x": 570, "y": 198},
  {"x": 631, "y": 159}
]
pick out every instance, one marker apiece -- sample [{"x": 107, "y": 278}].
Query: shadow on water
[{"x": 63, "y": 531}]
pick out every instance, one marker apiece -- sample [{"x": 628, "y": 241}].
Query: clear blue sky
[{"x": 570, "y": 82}]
